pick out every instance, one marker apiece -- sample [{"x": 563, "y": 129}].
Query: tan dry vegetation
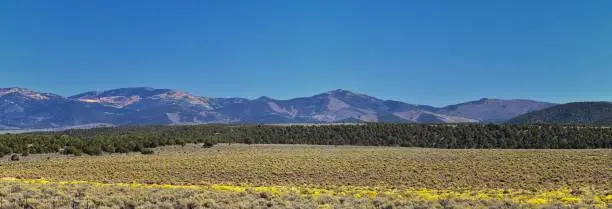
[{"x": 329, "y": 166}]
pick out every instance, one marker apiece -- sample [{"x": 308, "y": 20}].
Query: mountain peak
[
  {"x": 264, "y": 98},
  {"x": 488, "y": 99},
  {"x": 26, "y": 92},
  {"x": 343, "y": 92},
  {"x": 138, "y": 88},
  {"x": 123, "y": 97},
  {"x": 339, "y": 91},
  {"x": 14, "y": 89},
  {"x": 125, "y": 92},
  {"x": 120, "y": 97},
  {"x": 346, "y": 94}
]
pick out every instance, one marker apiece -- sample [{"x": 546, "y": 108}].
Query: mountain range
[{"x": 22, "y": 108}]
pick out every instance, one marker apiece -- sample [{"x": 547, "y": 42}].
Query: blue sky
[{"x": 426, "y": 52}]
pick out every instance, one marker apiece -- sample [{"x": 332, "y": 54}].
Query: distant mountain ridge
[
  {"x": 26, "y": 109},
  {"x": 494, "y": 110},
  {"x": 585, "y": 113},
  {"x": 23, "y": 108}
]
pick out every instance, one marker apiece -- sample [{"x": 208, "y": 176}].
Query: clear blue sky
[{"x": 418, "y": 51}]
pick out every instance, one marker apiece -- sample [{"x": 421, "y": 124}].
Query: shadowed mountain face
[
  {"x": 22, "y": 108},
  {"x": 493, "y": 110},
  {"x": 597, "y": 113}
]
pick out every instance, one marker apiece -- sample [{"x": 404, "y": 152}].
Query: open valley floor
[{"x": 311, "y": 176}]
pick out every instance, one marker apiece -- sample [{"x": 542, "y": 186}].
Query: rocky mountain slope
[{"x": 25, "y": 109}]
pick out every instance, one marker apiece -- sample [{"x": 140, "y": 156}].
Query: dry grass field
[{"x": 302, "y": 176}]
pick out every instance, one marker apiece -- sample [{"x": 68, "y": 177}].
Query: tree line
[{"x": 455, "y": 136}]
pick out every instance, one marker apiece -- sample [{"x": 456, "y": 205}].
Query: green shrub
[
  {"x": 147, "y": 152},
  {"x": 71, "y": 150},
  {"x": 208, "y": 144},
  {"x": 109, "y": 147},
  {"x": 406, "y": 144},
  {"x": 93, "y": 150},
  {"x": 15, "y": 157},
  {"x": 181, "y": 142},
  {"x": 121, "y": 149},
  {"x": 5, "y": 151}
]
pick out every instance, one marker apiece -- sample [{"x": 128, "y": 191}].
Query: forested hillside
[
  {"x": 599, "y": 113},
  {"x": 138, "y": 139}
]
